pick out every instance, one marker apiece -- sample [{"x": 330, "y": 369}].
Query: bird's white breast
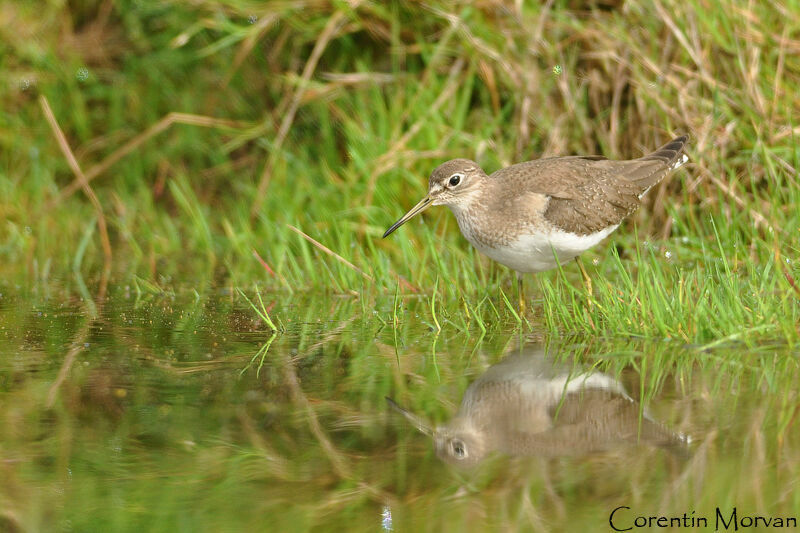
[{"x": 536, "y": 250}]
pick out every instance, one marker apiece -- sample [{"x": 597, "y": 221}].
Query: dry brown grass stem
[
  {"x": 249, "y": 42},
  {"x": 786, "y": 273},
  {"x": 331, "y": 28},
  {"x": 446, "y": 94},
  {"x": 69, "y": 360},
  {"x": 83, "y": 182},
  {"x": 272, "y": 272},
  {"x": 350, "y": 79},
  {"x": 621, "y": 81},
  {"x": 696, "y": 468},
  {"x": 168, "y": 120},
  {"x": 693, "y": 52},
  {"x": 330, "y": 252},
  {"x": 488, "y": 77},
  {"x": 758, "y": 219},
  {"x": 786, "y": 132},
  {"x": 279, "y": 466},
  {"x": 390, "y": 157},
  {"x": 480, "y": 45},
  {"x": 776, "y": 87},
  {"x": 298, "y": 396},
  {"x": 338, "y": 463}
]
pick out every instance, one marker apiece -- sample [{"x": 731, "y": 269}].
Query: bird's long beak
[
  {"x": 414, "y": 211},
  {"x": 416, "y": 421}
]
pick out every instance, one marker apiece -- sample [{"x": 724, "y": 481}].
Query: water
[{"x": 156, "y": 416}]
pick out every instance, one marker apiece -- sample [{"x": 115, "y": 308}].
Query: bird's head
[{"x": 452, "y": 183}]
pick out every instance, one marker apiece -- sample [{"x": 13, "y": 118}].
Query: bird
[
  {"x": 530, "y": 405},
  {"x": 534, "y": 216}
]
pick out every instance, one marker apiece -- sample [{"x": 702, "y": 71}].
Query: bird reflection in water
[{"x": 529, "y": 404}]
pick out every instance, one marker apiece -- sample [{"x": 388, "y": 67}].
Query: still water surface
[{"x": 185, "y": 413}]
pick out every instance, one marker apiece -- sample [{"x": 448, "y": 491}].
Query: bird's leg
[
  {"x": 520, "y": 294},
  {"x": 586, "y": 279}
]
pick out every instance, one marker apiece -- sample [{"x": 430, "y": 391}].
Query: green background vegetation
[{"x": 329, "y": 117}]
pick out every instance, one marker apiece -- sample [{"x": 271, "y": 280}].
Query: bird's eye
[
  {"x": 455, "y": 179},
  {"x": 458, "y": 449}
]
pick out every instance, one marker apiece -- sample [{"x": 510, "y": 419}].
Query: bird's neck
[{"x": 469, "y": 205}]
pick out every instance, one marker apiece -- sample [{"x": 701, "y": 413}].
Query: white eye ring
[{"x": 455, "y": 179}]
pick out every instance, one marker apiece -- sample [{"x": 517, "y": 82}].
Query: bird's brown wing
[
  {"x": 597, "y": 419},
  {"x": 590, "y": 193},
  {"x": 591, "y": 421}
]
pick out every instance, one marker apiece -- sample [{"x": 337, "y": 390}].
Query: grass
[{"x": 212, "y": 131}]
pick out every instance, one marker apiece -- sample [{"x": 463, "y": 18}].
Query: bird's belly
[{"x": 537, "y": 251}]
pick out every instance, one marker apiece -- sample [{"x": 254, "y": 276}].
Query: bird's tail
[{"x": 671, "y": 153}]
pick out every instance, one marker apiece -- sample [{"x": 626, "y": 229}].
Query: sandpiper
[
  {"x": 535, "y": 215},
  {"x": 532, "y": 404}
]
